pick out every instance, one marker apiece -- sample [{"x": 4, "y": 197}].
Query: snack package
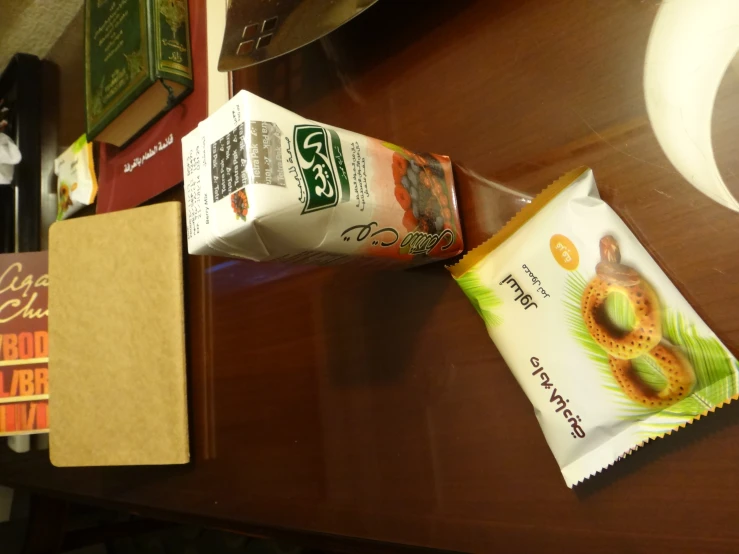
[
  {"x": 266, "y": 184},
  {"x": 608, "y": 351},
  {"x": 76, "y": 182}
]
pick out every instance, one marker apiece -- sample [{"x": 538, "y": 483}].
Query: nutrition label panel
[
  {"x": 228, "y": 163},
  {"x": 238, "y": 160},
  {"x": 265, "y": 154}
]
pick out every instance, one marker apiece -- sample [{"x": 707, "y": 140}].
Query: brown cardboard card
[{"x": 116, "y": 339}]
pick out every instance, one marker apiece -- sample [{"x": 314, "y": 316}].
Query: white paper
[{"x": 10, "y": 156}]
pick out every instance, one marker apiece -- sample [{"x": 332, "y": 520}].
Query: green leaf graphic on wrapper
[
  {"x": 482, "y": 298},
  {"x": 717, "y": 373},
  {"x": 395, "y": 148}
]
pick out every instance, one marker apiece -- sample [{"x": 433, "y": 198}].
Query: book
[
  {"x": 137, "y": 65},
  {"x": 152, "y": 163},
  {"x": 117, "y": 339},
  {"x": 24, "y": 343}
]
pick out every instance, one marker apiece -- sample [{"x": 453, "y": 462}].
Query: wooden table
[{"x": 347, "y": 403}]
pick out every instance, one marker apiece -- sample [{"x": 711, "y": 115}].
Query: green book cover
[{"x": 129, "y": 45}]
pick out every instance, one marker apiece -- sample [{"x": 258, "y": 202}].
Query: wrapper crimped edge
[
  {"x": 642, "y": 443},
  {"x": 475, "y": 255}
]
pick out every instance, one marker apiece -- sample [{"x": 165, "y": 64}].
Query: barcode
[{"x": 193, "y": 191}]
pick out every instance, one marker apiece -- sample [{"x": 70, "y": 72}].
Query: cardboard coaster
[{"x": 117, "y": 340}]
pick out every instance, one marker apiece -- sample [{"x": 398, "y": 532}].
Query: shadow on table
[
  {"x": 297, "y": 79},
  {"x": 372, "y": 340}
]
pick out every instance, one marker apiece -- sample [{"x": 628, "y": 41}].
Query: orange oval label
[{"x": 565, "y": 252}]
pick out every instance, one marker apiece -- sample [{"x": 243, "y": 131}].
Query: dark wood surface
[{"x": 340, "y": 402}]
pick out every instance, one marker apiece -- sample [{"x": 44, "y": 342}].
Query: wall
[{"x": 33, "y": 26}]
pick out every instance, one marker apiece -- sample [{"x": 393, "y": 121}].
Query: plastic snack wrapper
[
  {"x": 77, "y": 185},
  {"x": 266, "y": 184},
  {"x": 606, "y": 348}
]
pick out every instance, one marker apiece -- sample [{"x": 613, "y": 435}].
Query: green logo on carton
[{"x": 321, "y": 163}]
